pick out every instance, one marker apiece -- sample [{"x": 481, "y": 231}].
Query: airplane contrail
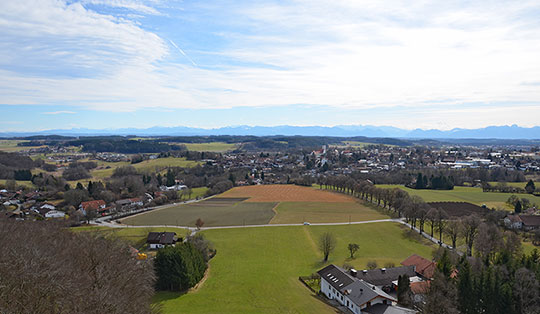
[{"x": 183, "y": 53}]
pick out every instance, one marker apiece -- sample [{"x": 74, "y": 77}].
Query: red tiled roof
[
  {"x": 93, "y": 205},
  {"x": 423, "y": 266},
  {"x": 530, "y": 220},
  {"x": 420, "y": 287}
]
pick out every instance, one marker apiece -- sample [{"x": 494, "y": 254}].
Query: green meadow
[
  {"x": 299, "y": 212},
  {"x": 216, "y": 147},
  {"x": 464, "y": 194},
  {"x": 256, "y": 269}
]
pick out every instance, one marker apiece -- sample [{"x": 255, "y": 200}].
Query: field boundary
[{"x": 275, "y": 212}]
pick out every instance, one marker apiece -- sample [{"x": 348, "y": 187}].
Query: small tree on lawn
[
  {"x": 199, "y": 223},
  {"x": 353, "y": 247},
  {"x": 327, "y": 243}
]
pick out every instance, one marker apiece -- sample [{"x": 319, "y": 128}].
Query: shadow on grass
[{"x": 163, "y": 296}]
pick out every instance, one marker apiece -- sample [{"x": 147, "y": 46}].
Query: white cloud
[
  {"x": 133, "y": 5},
  {"x": 346, "y": 54}
]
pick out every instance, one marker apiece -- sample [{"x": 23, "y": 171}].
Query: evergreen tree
[
  {"x": 179, "y": 268},
  {"x": 517, "y": 208},
  {"x": 404, "y": 290},
  {"x": 466, "y": 294},
  {"x": 170, "y": 178},
  {"x": 444, "y": 265},
  {"x": 530, "y": 188},
  {"x": 419, "y": 181}
]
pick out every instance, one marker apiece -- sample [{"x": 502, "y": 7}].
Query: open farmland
[
  {"x": 315, "y": 212},
  {"x": 216, "y": 147},
  {"x": 465, "y": 194},
  {"x": 106, "y": 169},
  {"x": 264, "y": 264},
  {"x": 262, "y": 204},
  {"x": 286, "y": 193},
  {"x": 214, "y": 212},
  {"x": 459, "y": 209},
  {"x": 10, "y": 146}
]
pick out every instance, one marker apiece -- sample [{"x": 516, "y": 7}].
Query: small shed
[{"x": 158, "y": 240}]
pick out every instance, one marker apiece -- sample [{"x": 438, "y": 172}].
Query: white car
[{"x": 306, "y": 223}]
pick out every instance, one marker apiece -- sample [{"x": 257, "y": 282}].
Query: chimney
[{"x": 353, "y": 272}]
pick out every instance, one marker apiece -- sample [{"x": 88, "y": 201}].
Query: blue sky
[{"x": 133, "y": 63}]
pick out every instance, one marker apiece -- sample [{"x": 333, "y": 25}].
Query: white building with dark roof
[{"x": 346, "y": 288}]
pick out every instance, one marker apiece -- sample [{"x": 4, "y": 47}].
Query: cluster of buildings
[
  {"x": 20, "y": 205},
  {"x": 522, "y": 222},
  {"x": 375, "y": 290}
]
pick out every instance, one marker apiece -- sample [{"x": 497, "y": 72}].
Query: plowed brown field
[{"x": 286, "y": 193}]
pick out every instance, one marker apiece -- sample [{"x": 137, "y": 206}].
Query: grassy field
[
  {"x": 465, "y": 194},
  {"x": 212, "y": 213},
  {"x": 195, "y": 193},
  {"x": 11, "y": 146},
  {"x": 256, "y": 269},
  {"x": 153, "y": 165},
  {"x": 357, "y": 144},
  {"x": 298, "y": 212},
  {"x": 217, "y": 147},
  {"x": 23, "y": 183},
  {"x": 517, "y": 184}
]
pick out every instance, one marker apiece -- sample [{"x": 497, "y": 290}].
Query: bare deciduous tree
[
  {"x": 48, "y": 269},
  {"x": 353, "y": 247},
  {"x": 452, "y": 229},
  {"x": 470, "y": 226},
  {"x": 327, "y": 243}
]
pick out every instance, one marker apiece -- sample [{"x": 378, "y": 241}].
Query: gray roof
[
  {"x": 385, "y": 276},
  {"x": 336, "y": 276},
  {"x": 387, "y": 309},
  {"x": 161, "y": 238},
  {"x": 361, "y": 292},
  {"x": 357, "y": 290}
]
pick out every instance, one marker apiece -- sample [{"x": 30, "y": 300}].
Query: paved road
[{"x": 117, "y": 225}]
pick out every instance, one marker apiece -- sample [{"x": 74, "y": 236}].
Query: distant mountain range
[{"x": 495, "y": 132}]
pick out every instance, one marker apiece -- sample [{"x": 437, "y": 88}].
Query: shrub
[{"x": 179, "y": 267}]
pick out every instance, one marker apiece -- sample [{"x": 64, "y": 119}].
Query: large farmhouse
[{"x": 350, "y": 291}]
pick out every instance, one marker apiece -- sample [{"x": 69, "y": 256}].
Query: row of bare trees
[{"x": 417, "y": 213}]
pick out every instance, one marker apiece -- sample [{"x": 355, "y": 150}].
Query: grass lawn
[
  {"x": 528, "y": 247},
  {"x": 465, "y": 194},
  {"x": 195, "y": 193},
  {"x": 256, "y": 269},
  {"x": 358, "y": 144},
  {"x": 23, "y": 183},
  {"x": 152, "y": 165},
  {"x": 298, "y": 212},
  {"x": 516, "y": 184},
  {"x": 223, "y": 214},
  {"x": 216, "y": 147}
]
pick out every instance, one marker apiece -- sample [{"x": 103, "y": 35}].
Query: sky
[{"x": 103, "y": 64}]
